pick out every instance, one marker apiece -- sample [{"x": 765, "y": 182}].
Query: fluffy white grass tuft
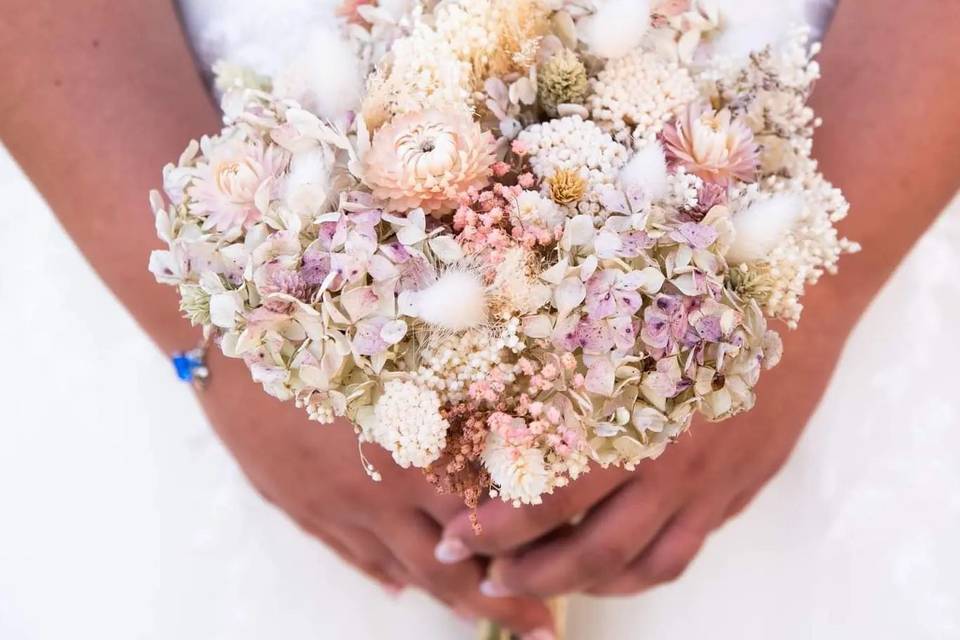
[
  {"x": 617, "y": 28},
  {"x": 647, "y": 172},
  {"x": 308, "y": 184},
  {"x": 762, "y": 226},
  {"x": 751, "y": 26},
  {"x": 457, "y": 301},
  {"x": 325, "y": 76}
]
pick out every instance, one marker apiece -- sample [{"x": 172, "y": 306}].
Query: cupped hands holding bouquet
[{"x": 560, "y": 212}]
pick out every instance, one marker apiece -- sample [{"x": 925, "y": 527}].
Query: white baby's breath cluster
[{"x": 545, "y": 234}]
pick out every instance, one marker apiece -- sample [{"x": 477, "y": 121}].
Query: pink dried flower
[
  {"x": 227, "y": 186},
  {"x": 519, "y": 148},
  {"x": 712, "y": 145},
  {"x": 428, "y": 159}
]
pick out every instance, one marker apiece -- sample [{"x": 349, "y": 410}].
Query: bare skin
[
  {"x": 890, "y": 101},
  {"x": 98, "y": 96}
]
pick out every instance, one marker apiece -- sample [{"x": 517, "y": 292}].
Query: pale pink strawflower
[
  {"x": 428, "y": 159},
  {"x": 712, "y": 145},
  {"x": 227, "y": 187}
]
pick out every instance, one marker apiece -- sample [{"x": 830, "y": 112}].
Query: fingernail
[
  {"x": 451, "y": 551},
  {"x": 393, "y": 590},
  {"x": 539, "y": 634},
  {"x": 493, "y": 589}
]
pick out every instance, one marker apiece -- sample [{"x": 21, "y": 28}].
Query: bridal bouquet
[{"x": 507, "y": 239}]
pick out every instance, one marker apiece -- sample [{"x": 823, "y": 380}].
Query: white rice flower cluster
[
  {"x": 451, "y": 363},
  {"x": 576, "y": 145},
  {"x": 636, "y": 95},
  {"x": 504, "y": 314},
  {"x": 407, "y": 423}
]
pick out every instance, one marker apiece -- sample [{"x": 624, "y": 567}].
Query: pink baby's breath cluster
[{"x": 527, "y": 249}]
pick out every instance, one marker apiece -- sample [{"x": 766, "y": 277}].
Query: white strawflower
[
  {"x": 407, "y": 423},
  {"x": 531, "y": 209},
  {"x": 520, "y": 473},
  {"x": 617, "y": 27}
]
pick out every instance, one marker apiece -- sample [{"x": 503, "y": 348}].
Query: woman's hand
[
  {"x": 636, "y": 530},
  {"x": 314, "y": 474}
]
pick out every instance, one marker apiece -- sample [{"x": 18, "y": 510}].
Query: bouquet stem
[{"x": 558, "y": 606}]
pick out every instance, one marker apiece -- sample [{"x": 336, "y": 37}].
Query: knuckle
[
  {"x": 600, "y": 559},
  {"x": 672, "y": 568},
  {"x": 434, "y": 575},
  {"x": 672, "y": 561}
]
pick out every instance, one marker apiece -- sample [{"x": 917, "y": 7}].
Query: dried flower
[
  {"x": 234, "y": 176},
  {"x": 713, "y": 145},
  {"x": 562, "y": 79},
  {"x": 567, "y": 187},
  {"x": 409, "y": 425},
  {"x": 635, "y": 96},
  {"x": 428, "y": 160}
]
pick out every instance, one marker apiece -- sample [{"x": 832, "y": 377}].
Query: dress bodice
[{"x": 248, "y": 33}]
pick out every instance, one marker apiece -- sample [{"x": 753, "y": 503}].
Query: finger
[
  {"x": 664, "y": 561},
  {"x": 362, "y": 550},
  {"x": 505, "y": 527},
  {"x": 458, "y": 585},
  {"x": 611, "y": 536}
]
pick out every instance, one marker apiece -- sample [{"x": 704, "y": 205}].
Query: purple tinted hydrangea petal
[
  {"x": 624, "y": 330},
  {"x": 709, "y": 329},
  {"x": 634, "y": 243},
  {"x": 699, "y": 236},
  {"x": 368, "y": 341}
]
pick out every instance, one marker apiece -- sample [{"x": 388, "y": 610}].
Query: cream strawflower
[
  {"x": 428, "y": 160},
  {"x": 520, "y": 473},
  {"x": 714, "y": 146}
]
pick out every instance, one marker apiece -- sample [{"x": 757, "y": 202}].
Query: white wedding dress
[{"x": 122, "y": 517}]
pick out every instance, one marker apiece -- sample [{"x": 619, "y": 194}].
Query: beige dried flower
[
  {"x": 567, "y": 187},
  {"x": 562, "y": 79},
  {"x": 428, "y": 160}
]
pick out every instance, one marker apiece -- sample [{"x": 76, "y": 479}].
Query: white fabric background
[{"x": 121, "y": 516}]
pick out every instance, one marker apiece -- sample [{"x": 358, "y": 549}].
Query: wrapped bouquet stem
[
  {"x": 510, "y": 240},
  {"x": 558, "y": 606}
]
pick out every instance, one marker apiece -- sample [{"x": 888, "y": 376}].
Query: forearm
[
  {"x": 97, "y": 97},
  {"x": 890, "y": 102}
]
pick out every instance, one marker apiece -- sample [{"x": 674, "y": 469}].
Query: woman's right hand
[{"x": 313, "y": 472}]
